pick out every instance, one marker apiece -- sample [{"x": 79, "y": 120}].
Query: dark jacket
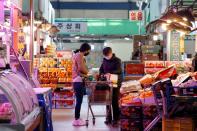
[{"x": 112, "y": 66}]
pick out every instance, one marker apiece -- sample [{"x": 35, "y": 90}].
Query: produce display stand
[{"x": 171, "y": 101}]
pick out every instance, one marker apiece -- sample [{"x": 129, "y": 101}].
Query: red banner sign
[{"x": 136, "y": 15}]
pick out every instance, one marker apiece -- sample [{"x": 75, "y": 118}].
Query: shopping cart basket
[{"x": 98, "y": 96}]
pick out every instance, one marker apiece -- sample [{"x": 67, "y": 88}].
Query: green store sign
[{"x": 100, "y": 26}]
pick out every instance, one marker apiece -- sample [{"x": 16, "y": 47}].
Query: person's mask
[
  {"x": 108, "y": 57},
  {"x": 86, "y": 54}
]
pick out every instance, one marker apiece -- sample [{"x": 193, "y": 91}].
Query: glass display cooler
[{"x": 19, "y": 107}]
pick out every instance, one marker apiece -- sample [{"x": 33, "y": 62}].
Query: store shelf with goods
[
  {"x": 63, "y": 98},
  {"x": 152, "y": 67}
]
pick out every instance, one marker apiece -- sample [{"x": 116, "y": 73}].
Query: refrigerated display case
[{"x": 19, "y": 107}]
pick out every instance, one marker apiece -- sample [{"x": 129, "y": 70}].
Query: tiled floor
[{"x": 62, "y": 120}]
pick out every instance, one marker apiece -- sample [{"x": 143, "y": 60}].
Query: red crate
[
  {"x": 131, "y": 111},
  {"x": 131, "y": 125}
]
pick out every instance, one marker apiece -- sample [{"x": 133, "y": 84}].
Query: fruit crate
[
  {"x": 178, "y": 124},
  {"x": 131, "y": 112},
  {"x": 131, "y": 125}
]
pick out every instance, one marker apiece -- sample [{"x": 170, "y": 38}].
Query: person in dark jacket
[
  {"x": 194, "y": 63},
  {"x": 112, "y": 65}
]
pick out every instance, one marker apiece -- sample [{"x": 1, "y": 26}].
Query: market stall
[{"x": 158, "y": 99}]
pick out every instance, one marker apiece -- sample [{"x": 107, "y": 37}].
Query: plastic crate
[
  {"x": 149, "y": 111},
  {"x": 131, "y": 112},
  {"x": 131, "y": 125}
]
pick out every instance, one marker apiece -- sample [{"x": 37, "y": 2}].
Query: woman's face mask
[
  {"x": 108, "y": 57},
  {"x": 87, "y": 53}
]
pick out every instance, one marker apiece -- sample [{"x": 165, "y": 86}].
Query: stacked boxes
[
  {"x": 178, "y": 124},
  {"x": 149, "y": 113},
  {"x": 136, "y": 118},
  {"x": 131, "y": 118}
]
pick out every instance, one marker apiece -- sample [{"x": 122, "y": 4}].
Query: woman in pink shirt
[{"x": 80, "y": 71}]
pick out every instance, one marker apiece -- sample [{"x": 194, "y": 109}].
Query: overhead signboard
[
  {"x": 135, "y": 15},
  {"x": 72, "y": 27}
]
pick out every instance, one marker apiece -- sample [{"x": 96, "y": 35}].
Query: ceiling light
[
  {"x": 174, "y": 20},
  {"x": 164, "y": 27},
  {"x": 169, "y": 21},
  {"x": 185, "y": 19},
  {"x": 127, "y": 38},
  {"x": 77, "y": 37},
  {"x": 105, "y": 44},
  {"x": 92, "y": 47},
  {"x": 183, "y": 24}
]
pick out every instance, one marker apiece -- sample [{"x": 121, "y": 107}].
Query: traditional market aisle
[{"x": 62, "y": 120}]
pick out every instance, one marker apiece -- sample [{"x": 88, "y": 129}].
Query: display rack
[
  {"x": 63, "y": 97},
  {"x": 56, "y": 72}
]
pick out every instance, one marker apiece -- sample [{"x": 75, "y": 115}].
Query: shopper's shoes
[
  {"x": 107, "y": 122},
  {"x": 115, "y": 123},
  {"x": 79, "y": 122}
]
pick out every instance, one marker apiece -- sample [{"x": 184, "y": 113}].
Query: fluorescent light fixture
[
  {"x": 127, "y": 38},
  {"x": 97, "y": 24},
  {"x": 77, "y": 37},
  {"x": 105, "y": 44},
  {"x": 92, "y": 47},
  {"x": 115, "y": 23}
]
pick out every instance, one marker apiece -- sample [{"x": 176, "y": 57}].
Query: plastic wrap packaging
[
  {"x": 147, "y": 97},
  {"x": 130, "y": 86},
  {"x": 165, "y": 73},
  {"x": 147, "y": 80}
]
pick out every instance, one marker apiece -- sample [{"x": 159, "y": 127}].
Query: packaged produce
[
  {"x": 181, "y": 79},
  {"x": 147, "y": 80},
  {"x": 189, "y": 83},
  {"x": 130, "y": 99},
  {"x": 130, "y": 86},
  {"x": 147, "y": 97},
  {"x": 166, "y": 73},
  {"x": 154, "y": 64}
]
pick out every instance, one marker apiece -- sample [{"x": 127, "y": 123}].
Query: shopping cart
[
  {"x": 162, "y": 94},
  {"x": 98, "y": 96}
]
